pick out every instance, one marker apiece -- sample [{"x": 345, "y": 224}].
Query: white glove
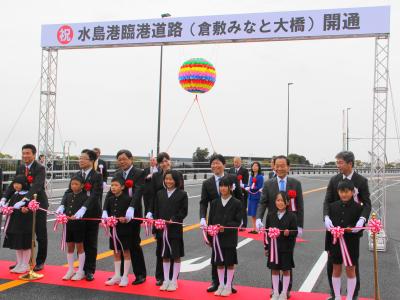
[
  {"x": 3, "y": 202},
  {"x": 360, "y": 223},
  {"x": 259, "y": 224},
  {"x": 203, "y": 223},
  {"x": 242, "y": 185},
  {"x": 299, "y": 232},
  {"x": 19, "y": 204},
  {"x": 129, "y": 213},
  {"x": 149, "y": 215},
  {"x": 104, "y": 215},
  {"x": 106, "y": 188},
  {"x": 60, "y": 210},
  {"x": 328, "y": 223},
  {"x": 247, "y": 188},
  {"x": 79, "y": 214}
]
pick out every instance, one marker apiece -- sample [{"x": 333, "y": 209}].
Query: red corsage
[
  {"x": 29, "y": 178},
  {"x": 254, "y": 180},
  {"x": 88, "y": 186},
  {"x": 292, "y": 193},
  {"x": 129, "y": 183},
  {"x": 239, "y": 177}
]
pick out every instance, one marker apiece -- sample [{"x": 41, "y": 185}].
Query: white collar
[
  {"x": 216, "y": 177},
  {"x": 30, "y": 165},
  {"x": 170, "y": 192},
  {"x": 349, "y": 176},
  {"x": 87, "y": 171},
  {"x": 128, "y": 171},
  {"x": 281, "y": 214},
  {"x": 279, "y": 179},
  {"x": 21, "y": 192},
  {"x": 225, "y": 201}
]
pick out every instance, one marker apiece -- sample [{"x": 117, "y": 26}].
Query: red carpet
[
  {"x": 193, "y": 290},
  {"x": 259, "y": 237}
]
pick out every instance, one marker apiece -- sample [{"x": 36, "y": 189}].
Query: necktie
[
  {"x": 282, "y": 185},
  {"x": 84, "y": 175},
  {"x": 217, "y": 182},
  {"x": 125, "y": 174},
  {"x": 26, "y": 170}
]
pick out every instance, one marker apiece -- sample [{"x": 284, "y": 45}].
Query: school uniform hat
[
  {"x": 118, "y": 179},
  {"x": 21, "y": 179}
]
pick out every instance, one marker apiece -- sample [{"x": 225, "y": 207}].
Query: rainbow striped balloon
[{"x": 197, "y": 75}]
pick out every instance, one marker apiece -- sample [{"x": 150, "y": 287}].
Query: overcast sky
[{"x": 108, "y": 97}]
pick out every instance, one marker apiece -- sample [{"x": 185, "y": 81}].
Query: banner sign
[{"x": 344, "y": 22}]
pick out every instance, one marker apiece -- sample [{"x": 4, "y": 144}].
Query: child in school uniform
[
  {"x": 225, "y": 211},
  {"x": 345, "y": 213},
  {"x": 171, "y": 204},
  {"x": 116, "y": 204},
  {"x": 19, "y": 231},
  {"x": 70, "y": 204},
  {"x": 286, "y": 222}
]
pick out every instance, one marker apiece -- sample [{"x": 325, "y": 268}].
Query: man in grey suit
[{"x": 286, "y": 184}]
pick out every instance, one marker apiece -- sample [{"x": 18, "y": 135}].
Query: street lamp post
[
  {"x": 166, "y": 15},
  {"x": 347, "y": 130},
  {"x": 288, "y": 115}
]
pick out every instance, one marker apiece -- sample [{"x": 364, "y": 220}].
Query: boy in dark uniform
[{"x": 344, "y": 213}]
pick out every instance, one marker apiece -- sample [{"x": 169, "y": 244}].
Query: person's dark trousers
[
  {"x": 214, "y": 274},
  {"x": 329, "y": 270},
  {"x": 138, "y": 264},
  {"x": 244, "y": 208},
  {"x": 90, "y": 246},
  {"x": 160, "y": 269},
  {"x": 41, "y": 236}
]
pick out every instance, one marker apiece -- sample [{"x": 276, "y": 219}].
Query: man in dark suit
[
  {"x": 93, "y": 182},
  {"x": 209, "y": 192},
  {"x": 134, "y": 188},
  {"x": 148, "y": 183},
  {"x": 272, "y": 174},
  {"x": 286, "y": 184},
  {"x": 100, "y": 166},
  {"x": 345, "y": 163},
  {"x": 36, "y": 177},
  {"x": 243, "y": 177}
]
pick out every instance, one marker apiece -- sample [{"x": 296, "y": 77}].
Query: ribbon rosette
[
  {"x": 213, "y": 231},
  {"x": 111, "y": 222},
  {"x": 273, "y": 234},
  {"x": 161, "y": 225},
  {"x": 129, "y": 186},
  {"x": 88, "y": 188},
  {"x": 63, "y": 220},
  {"x": 292, "y": 194},
  {"x": 29, "y": 178},
  {"x": 7, "y": 211},
  {"x": 148, "y": 226},
  {"x": 338, "y": 233},
  {"x": 375, "y": 226},
  {"x": 33, "y": 205},
  {"x": 239, "y": 178}
]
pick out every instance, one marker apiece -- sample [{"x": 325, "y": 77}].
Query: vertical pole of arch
[
  {"x": 47, "y": 111},
  {"x": 379, "y": 124}
]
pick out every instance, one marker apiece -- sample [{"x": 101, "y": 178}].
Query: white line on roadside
[{"x": 313, "y": 276}]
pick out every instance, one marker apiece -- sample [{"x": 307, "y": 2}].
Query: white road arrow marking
[{"x": 190, "y": 265}]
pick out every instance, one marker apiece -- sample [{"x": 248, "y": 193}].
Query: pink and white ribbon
[
  {"x": 111, "y": 222},
  {"x": 33, "y": 205},
  {"x": 7, "y": 211},
  {"x": 63, "y": 220},
  {"x": 213, "y": 231},
  {"x": 273, "y": 234},
  {"x": 161, "y": 225},
  {"x": 338, "y": 233},
  {"x": 148, "y": 226},
  {"x": 375, "y": 226}
]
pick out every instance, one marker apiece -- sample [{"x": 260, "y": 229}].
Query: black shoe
[
  {"x": 12, "y": 267},
  {"x": 242, "y": 229},
  {"x": 89, "y": 276},
  {"x": 212, "y": 288},
  {"x": 355, "y": 297},
  {"x": 234, "y": 291},
  {"x": 139, "y": 280},
  {"x": 38, "y": 267},
  {"x": 159, "y": 282}
]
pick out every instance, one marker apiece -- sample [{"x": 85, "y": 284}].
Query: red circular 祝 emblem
[{"x": 65, "y": 34}]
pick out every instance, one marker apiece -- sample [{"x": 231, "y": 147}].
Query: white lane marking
[
  {"x": 313, "y": 276},
  {"x": 190, "y": 265}
]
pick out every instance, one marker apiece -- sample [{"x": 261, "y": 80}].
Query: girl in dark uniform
[
  {"x": 345, "y": 213},
  {"x": 286, "y": 222},
  {"x": 19, "y": 231},
  {"x": 225, "y": 211},
  {"x": 70, "y": 204},
  {"x": 116, "y": 205},
  {"x": 171, "y": 204}
]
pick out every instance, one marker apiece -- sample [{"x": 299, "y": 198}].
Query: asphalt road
[{"x": 251, "y": 270}]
